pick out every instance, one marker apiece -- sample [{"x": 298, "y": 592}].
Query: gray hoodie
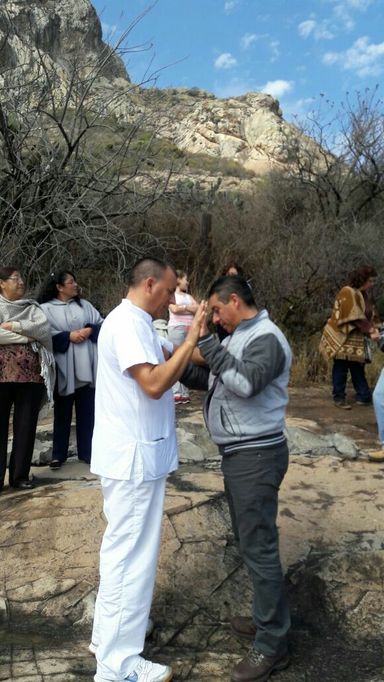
[{"x": 248, "y": 384}]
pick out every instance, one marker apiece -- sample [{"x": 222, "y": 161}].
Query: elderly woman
[
  {"x": 75, "y": 326},
  {"x": 26, "y": 369},
  {"x": 346, "y": 336}
]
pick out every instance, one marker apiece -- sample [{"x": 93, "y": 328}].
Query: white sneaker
[
  {"x": 150, "y": 625},
  {"x": 145, "y": 671}
]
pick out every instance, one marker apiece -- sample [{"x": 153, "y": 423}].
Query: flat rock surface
[{"x": 331, "y": 510}]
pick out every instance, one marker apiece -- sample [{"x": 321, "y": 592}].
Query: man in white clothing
[{"x": 133, "y": 450}]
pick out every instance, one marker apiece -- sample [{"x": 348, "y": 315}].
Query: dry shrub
[
  {"x": 374, "y": 368},
  {"x": 308, "y": 365}
]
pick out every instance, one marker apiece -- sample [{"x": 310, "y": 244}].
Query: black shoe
[
  {"x": 23, "y": 485},
  {"x": 55, "y": 464}
]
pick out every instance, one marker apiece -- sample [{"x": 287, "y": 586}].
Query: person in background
[
  {"x": 346, "y": 336},
  {"x": 233, "y": 268},
  {"x": 378, "y": 405},
  {"x": 181, "y": 314},
  {"x": 27, "y": 367},
  {"x": 75, "y": 326},
  {"x": 134, "y": 449}
]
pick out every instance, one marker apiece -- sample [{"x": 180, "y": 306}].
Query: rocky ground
[{"x": 332, "y": 540}]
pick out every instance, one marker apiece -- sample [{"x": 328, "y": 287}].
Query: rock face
[
  {"x": 54, "y": 31},
  {"x": 249, "y": 129}
]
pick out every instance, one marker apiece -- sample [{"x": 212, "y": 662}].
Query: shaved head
[{"x": 147, "y": 267}]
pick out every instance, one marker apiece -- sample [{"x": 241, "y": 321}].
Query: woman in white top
[
  {"x": 75, "y": 326},
  {"x": 181, "y": 315}
]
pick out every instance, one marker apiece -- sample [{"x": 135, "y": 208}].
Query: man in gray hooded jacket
[{"x": 245, "y": 412}]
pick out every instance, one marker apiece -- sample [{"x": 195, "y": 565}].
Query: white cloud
[
  {"x": 343, "y": 10},
  {"x": 299, "y": 109},
  {"x": 230, "y": 5},
  {"x": 274, "y": 45},
  {"x": 365, "y": 58},
  {"x": 320, "y": 31},
  {"x": 277, "y": 88},
  {"x": 225, "y": 61},
  {"x": 360, "y": 5},
  {"x": 344, "y": 17},
  {"x": 247, "y": 40},
  {"x": 108, "y": 29},
  {"x": 306, "y": 28},
  {"x": 233, "y": 88}
]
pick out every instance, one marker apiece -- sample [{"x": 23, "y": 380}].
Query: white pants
[
  {"x": 378, "y": 404},
  {"x": 128, "y": 561}
]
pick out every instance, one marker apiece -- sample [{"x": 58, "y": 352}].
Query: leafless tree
[
  {"x": 344, "y": 174},
  {"x": 76, "y": 166}
]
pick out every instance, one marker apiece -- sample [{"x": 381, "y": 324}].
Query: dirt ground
[{"x": 315, "y": 403}]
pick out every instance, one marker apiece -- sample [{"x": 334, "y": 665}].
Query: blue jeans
[
  {"x": 177, "y": 335},
  {"x": 378, "y": 404},
  {"x": 252, "y": 480},
  {"x": 339, "y": 379}
]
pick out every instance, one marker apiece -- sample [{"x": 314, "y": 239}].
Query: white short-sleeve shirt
[{"x": 133, "y": 434}]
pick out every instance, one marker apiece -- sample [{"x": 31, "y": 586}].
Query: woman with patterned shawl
[
  {"x": 346, "y": 336},
  {"x": 27, "y": 374}
]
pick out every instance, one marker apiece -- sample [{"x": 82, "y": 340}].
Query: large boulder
[{"x": 56, "y": 32}]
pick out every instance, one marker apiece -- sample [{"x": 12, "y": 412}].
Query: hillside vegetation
[{"x": 92, "y": 177}]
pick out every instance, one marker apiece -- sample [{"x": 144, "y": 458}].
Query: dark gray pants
[{"x": 252, "y": 479}]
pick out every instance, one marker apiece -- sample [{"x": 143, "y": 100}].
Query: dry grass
[{"x": 310, "y": 367}]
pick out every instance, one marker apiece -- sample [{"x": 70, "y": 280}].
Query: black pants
[
  {"x": 339, "y": 380},
  {"x": 26, "y": 401},
  {"x": 84, "y": 399},
  {"x": 252, "y": 479}
]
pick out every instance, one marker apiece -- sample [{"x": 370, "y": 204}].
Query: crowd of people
[{"x": 124, "y": 379}]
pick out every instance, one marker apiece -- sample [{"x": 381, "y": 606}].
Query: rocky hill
[
  {"x": 249, "y": 130},
  {"x": 56, "y": 31}
]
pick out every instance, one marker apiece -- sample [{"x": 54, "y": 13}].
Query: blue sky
[{"x": 293, "y": 49}]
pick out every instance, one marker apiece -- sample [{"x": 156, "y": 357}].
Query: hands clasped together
[
  {"x": 80, "y": 335},
  {"x": 199, "y": 325}
]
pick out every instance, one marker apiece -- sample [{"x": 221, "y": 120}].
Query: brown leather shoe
[
  {"x": 243, "y": 626},
  {"x": 256, "y": 667}
]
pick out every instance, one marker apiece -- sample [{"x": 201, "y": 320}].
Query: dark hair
[
  {"x": 232, "y": 284},
  {"x": 49, "y": 290},
  {"x": 358, "y": 277},
  {"x": 7, "y": 270},
  {"x": 232, "y": 264},
  {"x": 147, "y": 267}
]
